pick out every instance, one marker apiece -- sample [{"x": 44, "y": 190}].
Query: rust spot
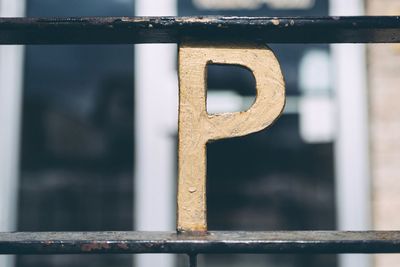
[
  {"x": 94, "y": 246},
  {"x": 123, "y": 245},
  {"x": 48, "y": 243}
]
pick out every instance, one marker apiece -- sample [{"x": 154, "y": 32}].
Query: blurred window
[{"x": 77, "y": 135}]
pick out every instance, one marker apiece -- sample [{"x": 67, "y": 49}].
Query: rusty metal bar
[
  {"x": 130, "y": 30},
  {"x": 213, "y": 242}
]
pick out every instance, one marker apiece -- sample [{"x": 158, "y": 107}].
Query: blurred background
[{"x": 89, "y": 135}]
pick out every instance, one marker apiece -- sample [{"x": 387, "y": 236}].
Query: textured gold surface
[{"x": 197, "y": 127}]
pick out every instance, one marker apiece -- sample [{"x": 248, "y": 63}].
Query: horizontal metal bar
[
  {"x": 130, "y": 30},
  {"x": 213, "y": 242}
]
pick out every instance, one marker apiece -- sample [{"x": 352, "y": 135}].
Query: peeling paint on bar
[
  {"x": 213, "y": 242},
  {"x": 130, "y": 30}
]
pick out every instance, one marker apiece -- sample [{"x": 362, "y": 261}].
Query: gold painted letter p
[{"x": 197, "y": 127}]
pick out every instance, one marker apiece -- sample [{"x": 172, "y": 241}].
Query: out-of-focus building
[{"x": 384, "y": 93}]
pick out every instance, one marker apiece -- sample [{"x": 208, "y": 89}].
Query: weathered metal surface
[
  {"x": 129, "y": 30},
  {"x": 197, "y": 127},
  {"x": 213, "y": 242}
]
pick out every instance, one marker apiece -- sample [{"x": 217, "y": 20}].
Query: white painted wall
[
  {"x": 11, "y": 68},
  {"x": 156, "y": 115},
  {"x": 352, "y": 147}
]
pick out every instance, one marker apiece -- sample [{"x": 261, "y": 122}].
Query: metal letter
[{"x": 197, "y": 127}]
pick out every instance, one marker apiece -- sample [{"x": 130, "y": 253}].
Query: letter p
[{"x": 197, "y": 127}]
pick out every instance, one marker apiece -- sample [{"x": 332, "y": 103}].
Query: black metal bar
[
  {"x": 130, "y": 30},
  {"x": 193, "y": 260},
  {"x": 213, "y": 242}
]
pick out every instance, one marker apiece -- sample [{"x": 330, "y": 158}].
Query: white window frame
[
  {"x": 11, "y": 82},
  {"x": 352, "y": 177},
  {"x": 156, "y": 97}
]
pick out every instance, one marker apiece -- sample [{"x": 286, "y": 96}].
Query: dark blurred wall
[{"x": 77, "y": 135}]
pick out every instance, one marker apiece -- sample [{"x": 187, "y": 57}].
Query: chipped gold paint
[
  {"x": 197, "y": 127},
  {"x": 275, "y": 21}
]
